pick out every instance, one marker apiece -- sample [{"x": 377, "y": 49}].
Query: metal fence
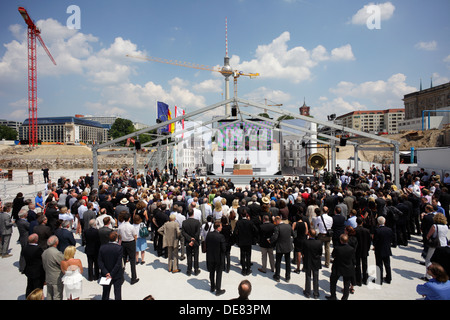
[{"x": 21, "y": 182}]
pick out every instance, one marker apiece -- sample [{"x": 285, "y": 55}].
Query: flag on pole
[
  {"x": 179, "y": 126},
  {"x": 170, "y": 127},
  {"x": 163, "y": 114}
]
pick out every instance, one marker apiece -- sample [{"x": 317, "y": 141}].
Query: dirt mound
[{"x": 413, "y": 138}]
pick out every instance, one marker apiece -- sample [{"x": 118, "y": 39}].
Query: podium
[{"x": 243, "y": 169}]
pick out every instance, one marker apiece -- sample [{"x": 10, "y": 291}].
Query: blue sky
[{"x": 320, "y": 51}]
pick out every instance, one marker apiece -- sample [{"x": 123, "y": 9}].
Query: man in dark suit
[
  {"x": 43, "y": 231},
  {"x": 382, "y": 240},
  {"x": 180, "y": 203},
  {"x": 362, "y": 252},
  {"x": 338, "y": 225},
  {"x": 87, "y": 216},
  {"x": 52, "y": 215},
  {"x": 255, "y": 211},
  {"x": 23, "y": 226},
  {"x": 159, "y": 218},
  {"x": 6, "y": 230},
  {"x": 243, "y": 209},
  {"x": 107, "y": 204},
  {"x": 104, "y": 231},
  {"x": 441, "y": 256},
  {"x": 444, "y": 199},
  {"x": 402, "y": 223},
  {"x": 342, "y": 266},
  {"x": 110, "y": 262},
  {"x": 312, "y": 253},
  {"x": 282, "y": 240},
  {"x": 190, "y": 230},
  {"x": 34, "y": 269},
  {"x": 91, "y": 250},
  {"x": 215, "y": 257},
  {"x": 265, "y": 233},
  {"x": 65, "y": 237},
  {"x": 244, "y": 232}
]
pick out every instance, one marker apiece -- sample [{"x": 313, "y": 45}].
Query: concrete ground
[{"x": 162, "y": 285}]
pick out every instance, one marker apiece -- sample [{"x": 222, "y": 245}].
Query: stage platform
[{"x": 243, "y": 180}]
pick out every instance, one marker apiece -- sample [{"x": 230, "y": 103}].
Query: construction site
[{"x": 59, "y": 156}]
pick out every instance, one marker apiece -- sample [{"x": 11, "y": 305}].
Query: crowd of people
[{"x": 309, "y": 223}]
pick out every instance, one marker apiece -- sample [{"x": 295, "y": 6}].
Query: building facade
[
  {"x": 373, "y": 121},
  {"x": 102, "y": 119},
  {"x": 66, "y": 130},
  {"x": 433, "y": 98},
  {"x": 11, "y": 124},
  {"x": 297, "y": 148}
]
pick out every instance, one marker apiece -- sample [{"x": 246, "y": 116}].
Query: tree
[
  {"x": 7, "y": 133},
  {"x": 285, "y": 117},
  {"x": 121, "y": 127}
]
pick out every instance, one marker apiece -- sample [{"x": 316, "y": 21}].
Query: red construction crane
[{"x": 33, "y": 33}]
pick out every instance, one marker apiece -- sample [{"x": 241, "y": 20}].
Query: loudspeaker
[
  {"x": 343, "y": 142},
  {"x": 233, "y": 111}
]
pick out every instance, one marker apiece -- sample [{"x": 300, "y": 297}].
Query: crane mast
[{"x": 33, "y": 33}]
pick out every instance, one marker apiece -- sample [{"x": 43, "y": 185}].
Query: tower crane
[
  {"x": 271, "y": 105},
  {"x": 33, "y": 34},
  {"x": 224, "y": 71}
]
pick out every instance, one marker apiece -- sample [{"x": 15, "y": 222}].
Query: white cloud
[
  {"x": 19, "y": 109},
  {"x": 447, "y": 60},
  {"x": 73, "y": 52},
  {"x": 99, "y": 109},
  {"x": 386, "y": 12},
  {"x": 106, "y": 70},
  {"x": 382, "y": 94},
  {"x": 438, "y": 79},
  {"x": 272, "y": 96},
  {"x": 427, "y": 46},
  {"x": 211, "y": 85},
  {"x": 179, "y": 82},
  {"x": 369, "y": 95},
  {"x": 342, "y": 53},
  {"x": 276, "y": 60},
  {"x": 336, "y": 106},
  {"x": 134, "y": 97}
]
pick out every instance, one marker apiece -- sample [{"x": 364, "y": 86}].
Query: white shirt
[
  {"x": 66, "y": 216},
  {"x": 318, "y": 224},
  {"x": 99, "y": 221},
  {"x": 126, "y": 231},
  {"x": 180, "y": 218},
  {"x": 198, "y": 214},
  {"x": 81, "y": 210},
  {"x": 209, "y": 228},
  {"x": 443, "y": 230},
  {"x": 217, "y": 215}
]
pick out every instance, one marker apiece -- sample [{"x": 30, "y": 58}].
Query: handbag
[
  {"x": 143, "y": 231},
  {"x": 203, "y": 246},
  {"x": 434, "y": 242},
  {"x": 329, "y": 232}
]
